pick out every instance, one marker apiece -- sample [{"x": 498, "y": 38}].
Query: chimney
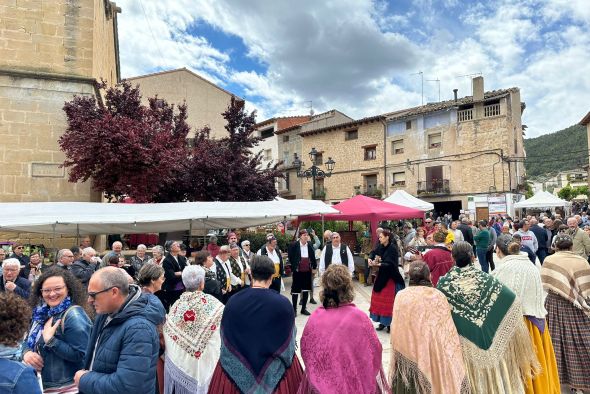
[
  {"x": 455, "y": 93},
  {"x": 477, "y": 87}
]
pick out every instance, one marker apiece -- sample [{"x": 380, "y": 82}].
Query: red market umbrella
[{"x": 367, "y": 209}]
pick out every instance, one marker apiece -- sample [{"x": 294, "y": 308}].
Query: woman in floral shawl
[
  {"x": 497, "y": 349},
  {"x": 426, "y": 354},
  {"x": 566, "y": 277},
  {"x": 192, "y": 337},
  {"x": 523, "y": 278}
]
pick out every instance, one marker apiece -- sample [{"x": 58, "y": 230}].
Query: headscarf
[
  {"x": 425, "y": 347},
  {"x": 41, "y": 314},
  {"x": 497, "y": 347},
  {"x": 257, "y": 339}
]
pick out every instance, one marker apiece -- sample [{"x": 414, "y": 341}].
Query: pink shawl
[{"x": 342, "y": 353}]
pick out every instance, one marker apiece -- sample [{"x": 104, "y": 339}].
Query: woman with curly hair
[
  {"x": 327, "y": 337},
  {"x": 59, "y": 331},
  {"x": 15, "y": 377}
]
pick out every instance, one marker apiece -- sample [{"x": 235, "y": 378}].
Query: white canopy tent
[
  {"x": 98, "y": 218},
  {"x": 542, "y": 199},
  {"x": 401, "y": 197}
]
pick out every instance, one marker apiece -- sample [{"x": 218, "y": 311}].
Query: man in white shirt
[
  {"x": 274, "y": 253},
  {"x": 336, "y": 253},
  {"x": 456, "y": 232}
]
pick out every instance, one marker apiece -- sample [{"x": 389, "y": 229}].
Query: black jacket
[
  {"x": 389, "y": 266},
  {"x": 467, "y": 233},
  {"x": 295, "y": 255},
  {"x": 171, "y": 266},
  {"x": 541, "y": 235}
]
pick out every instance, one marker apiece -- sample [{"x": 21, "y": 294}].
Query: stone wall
[
  {"x": 351, "y": 166},
  {"x": 205, "y": 101}
]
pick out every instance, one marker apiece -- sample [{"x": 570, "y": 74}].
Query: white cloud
[{"x": 357, "y": 56}]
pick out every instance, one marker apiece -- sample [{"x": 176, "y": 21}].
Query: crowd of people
[{"x": 498, "y": 307}]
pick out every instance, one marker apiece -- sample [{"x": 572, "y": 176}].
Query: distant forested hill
[{"x": 553, "y": 152}]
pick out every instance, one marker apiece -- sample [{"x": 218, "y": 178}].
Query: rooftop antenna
[
  {"x": 309, "y": 104},
  {"x": 470, "y": 76},
  {"x": 438, "y": 82},
  {"x": 422, "y": 83}
]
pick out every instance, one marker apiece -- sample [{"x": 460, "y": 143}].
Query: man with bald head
[
  {"x": 122, "y": 352},
  {"x": 581, "y": 240}
]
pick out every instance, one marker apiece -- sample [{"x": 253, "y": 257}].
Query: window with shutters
[
  {"x": 370, "y": 153},
  {"x": 397, "y": 147},
  {"x": 434, "y": 140},
  {"x": 398, "y": 179}
]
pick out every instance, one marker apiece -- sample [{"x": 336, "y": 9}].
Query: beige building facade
[
  {"x": 50, "y": 51},
  {"x": 289, "y": 144},
  {"x": 445, "y": 153},
  {"x": 205, "y": 100}
]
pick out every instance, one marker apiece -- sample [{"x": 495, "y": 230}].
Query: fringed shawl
[
  {"x": 425, "y": 347},
  {"x": 342, "y": 353},
  {"x": 257, "y": 339},
  {"x": 497, "y": 348},
  {"x": 568, "y": 275},
  {"x": 192, "y": 340},
  {"x": 524, "y": 279}
]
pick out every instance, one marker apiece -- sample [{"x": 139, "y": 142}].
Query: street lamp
[{"x": 314, "y": 171}]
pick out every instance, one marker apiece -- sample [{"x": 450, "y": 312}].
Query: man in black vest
[
  {"x": 271, "y": 250},
  {"x": 541, "y": 235},
  {"x": 336, "y": 253},
  {"x": 302, "y": 259}
]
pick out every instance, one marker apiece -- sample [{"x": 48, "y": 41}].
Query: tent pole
[
  {"x": 53, "y": 238},
  {"x": 190, "y": 231},
  {"x": 77, "y": 233}
]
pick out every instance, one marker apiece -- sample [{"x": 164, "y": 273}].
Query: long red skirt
[
  {"x": 382, "y": 304},
  {"x": 221, "y": 383}
]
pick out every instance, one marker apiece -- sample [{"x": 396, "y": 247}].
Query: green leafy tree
[{"x": 566, "y": 193}]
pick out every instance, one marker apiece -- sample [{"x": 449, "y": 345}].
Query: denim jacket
[
  {"x": 64, "y": 354},
  {"x": 16, "y": 377}
]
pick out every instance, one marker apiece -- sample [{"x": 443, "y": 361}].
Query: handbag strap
[{"x": 63, "y": 317}]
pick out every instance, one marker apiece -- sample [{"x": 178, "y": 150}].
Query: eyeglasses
[
  {"x": 11, "y": 269},
  {"x": 58, "y": 289},
  {"x": 18, "y": 247},
  {"x": 93, "y": 294}
]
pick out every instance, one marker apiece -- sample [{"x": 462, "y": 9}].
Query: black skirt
[{"x": 302, "y": 281}]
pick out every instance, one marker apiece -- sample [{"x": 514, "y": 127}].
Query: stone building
[
  {"x": 49, "y": 52},
  {"x": 205, "y": 100},
  {"x": 447, "y": 153},
  {"x": 269, "y": 145},
  {"x": 289, "y": 146}
]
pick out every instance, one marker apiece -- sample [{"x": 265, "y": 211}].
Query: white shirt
[
  {"x": 336, "y": 258},
  {"x": 304, "y": 251},
  {"x": 234, "y": 280},
  {"x": 272, "y": 255}
]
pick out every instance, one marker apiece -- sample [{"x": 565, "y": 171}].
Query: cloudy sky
[{"x": 362, "y": 57}]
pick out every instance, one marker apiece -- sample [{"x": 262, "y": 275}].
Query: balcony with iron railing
[
  {"x": 320, "y": 193},
  {"x": 372, "y": 190},
  {"x": 434, "y": 187}
]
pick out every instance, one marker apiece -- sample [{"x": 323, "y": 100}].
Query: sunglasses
[
  {"x": 18, "y": 247},
  {"x": 93, "y": 294}
]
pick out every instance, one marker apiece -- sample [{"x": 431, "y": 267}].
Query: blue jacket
[
  {"x": 122, "y": 353},
  {"x": 23, "y": 286},
  {"x": 64, "y": 353},
  {"x": 17, "y": 378}
]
